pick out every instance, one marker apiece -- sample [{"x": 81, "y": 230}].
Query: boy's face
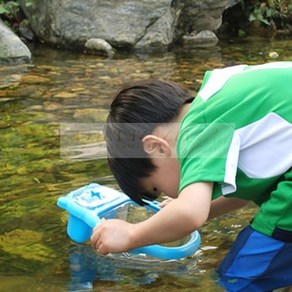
[{"x": 165, "y": 179}]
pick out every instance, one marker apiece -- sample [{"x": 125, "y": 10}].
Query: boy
[{"x": 232, "y": 144}]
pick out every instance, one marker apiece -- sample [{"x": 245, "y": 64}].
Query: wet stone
[
  {"x": 90, "y": 115},
  {"x": 33, "y": 79}
]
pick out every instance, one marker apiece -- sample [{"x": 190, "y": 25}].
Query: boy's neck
[{"x": 183, "y": 112}]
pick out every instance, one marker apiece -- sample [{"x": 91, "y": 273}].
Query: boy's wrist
[{"x": 137, "y": 237}]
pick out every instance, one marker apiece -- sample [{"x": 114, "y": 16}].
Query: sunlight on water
[{"x": 44, "y": 156}]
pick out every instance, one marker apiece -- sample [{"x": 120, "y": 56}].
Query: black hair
[{"x": 135, "y": 112}]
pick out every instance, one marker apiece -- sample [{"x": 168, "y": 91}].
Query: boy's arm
[
  {"x": 177, "y": 219},
  {"x": 223, "y": 205},
  {"x": 180, "y": 217},
  {"x": 219, "y": 206}
]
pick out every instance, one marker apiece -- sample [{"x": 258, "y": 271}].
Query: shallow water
[{"x": 43, "y": 156}]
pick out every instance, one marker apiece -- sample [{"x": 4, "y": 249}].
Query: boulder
[
  {"x": 121, "y": 23},
  {"x": 12, "y": 49},
  {"x": 124, "y": 24}
]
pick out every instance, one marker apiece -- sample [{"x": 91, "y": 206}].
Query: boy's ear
[{"x": 156, "y": 146}]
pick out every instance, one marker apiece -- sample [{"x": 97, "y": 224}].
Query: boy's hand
[
  {"x": 111, "y": 235},
  {"x": 178, "y": 218}
]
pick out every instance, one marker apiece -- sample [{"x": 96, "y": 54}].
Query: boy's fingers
[
  {"x": 165, "y": 202},
  {"x": 99, "y": 224},
  {"x": 102, "y": 251},
  {"x": 95, "y": 237},
  {"x": 93, "y": 242}
]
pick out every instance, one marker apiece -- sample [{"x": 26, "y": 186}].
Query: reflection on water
[
  {"x": 87, "y": 268},
  {"x": 43, "y": 158},
  {"x": 82, "y": 141}
]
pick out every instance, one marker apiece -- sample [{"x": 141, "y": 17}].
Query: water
[{"x": 37, "y": 165}]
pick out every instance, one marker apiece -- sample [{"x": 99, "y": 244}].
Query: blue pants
[{"x": 256, "y": 262}]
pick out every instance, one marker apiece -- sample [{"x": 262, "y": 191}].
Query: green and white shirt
[{"x": 238, "y": 134}]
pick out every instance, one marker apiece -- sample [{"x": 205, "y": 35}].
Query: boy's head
[{"x": 137, "y": 109}]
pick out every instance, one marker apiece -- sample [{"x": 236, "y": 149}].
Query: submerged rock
[{"x": 90, "y": 115}]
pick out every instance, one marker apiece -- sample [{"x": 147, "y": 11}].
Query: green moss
[{"x": 26, "y": 244}]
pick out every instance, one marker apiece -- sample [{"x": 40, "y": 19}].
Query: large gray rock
[
  {"x": 122, "y": 23},
  {"x": 202, "y": 15},
  {"x": 130, "y": 24},
  {"x": 12, "y": 49}
]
